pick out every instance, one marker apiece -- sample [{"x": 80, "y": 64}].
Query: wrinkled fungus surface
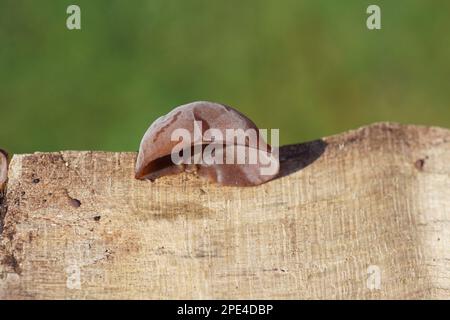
[{"x": 154, "y": 159}]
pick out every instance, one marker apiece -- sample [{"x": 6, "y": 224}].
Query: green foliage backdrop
[{"x": 308, "y": 67}]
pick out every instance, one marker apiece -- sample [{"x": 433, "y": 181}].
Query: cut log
[{"x": 364, "y": 214}]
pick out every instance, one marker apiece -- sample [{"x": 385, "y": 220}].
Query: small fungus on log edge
[
  {"x": 3, "y": 168},
  {"x": 157, "y": 146}
]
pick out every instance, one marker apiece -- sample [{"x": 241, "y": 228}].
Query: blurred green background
[{"x": 310, "y": 68}]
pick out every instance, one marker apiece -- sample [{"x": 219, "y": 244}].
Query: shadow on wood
[{"x": 295, "y": 157}]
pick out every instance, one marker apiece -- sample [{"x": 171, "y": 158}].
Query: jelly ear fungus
[
  {"x": 156, "y": 148},
  {"x": 3, "y": 169}
]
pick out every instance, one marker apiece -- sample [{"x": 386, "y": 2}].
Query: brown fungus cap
[
  {"x": 154, "y": 159},
  {"x": 3, "y": 168}
]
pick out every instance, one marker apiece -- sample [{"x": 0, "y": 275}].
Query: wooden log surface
[{"x": 364, "y": 214}]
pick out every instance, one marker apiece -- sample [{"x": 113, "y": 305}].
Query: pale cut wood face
[{"x": 363, "y": 215}]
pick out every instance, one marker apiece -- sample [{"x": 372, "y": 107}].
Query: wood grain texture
[{"x": 77, "y": 225}]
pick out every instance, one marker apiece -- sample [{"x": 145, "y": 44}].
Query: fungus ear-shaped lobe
[
  {"x": 154, "y": 159},
  {"x": 244, "y": 175},
  {"x": 3, "y": 168}
]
